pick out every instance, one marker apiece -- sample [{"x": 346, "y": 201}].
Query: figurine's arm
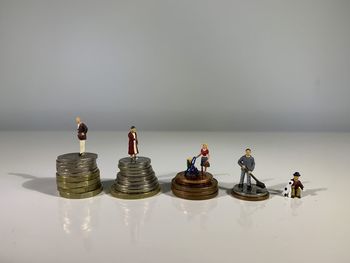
[
  {"x": 301, "y": 186},
  {"x": 85, "y": 128},
  {"x": 253, "y": 164},
  {"x": 240, "y": 163}
]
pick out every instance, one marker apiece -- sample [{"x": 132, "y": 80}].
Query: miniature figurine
[
  {"x": 191, "y": 168},
  {"x": 249, "y": 191},
  {"x": 136, "y": 178},
  {"x": 247, "y": 164},
  {"x": 82, "y": 131},
  {"x": 133, "y": 142},
  {"x": 287, "y": 189},
  {"x": 205, "y": 157},
  {"x": 296, "y": 187}
]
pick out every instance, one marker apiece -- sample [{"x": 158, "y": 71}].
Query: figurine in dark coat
[
  {"x": 297, "y": 186},
  {"x": 82, "y": 130},
  {"x": 133, "y": 142}
]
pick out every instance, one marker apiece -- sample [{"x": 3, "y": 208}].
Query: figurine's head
[
  {"x": 296, "y": 176},
  {"x": 248, "y": 152},
  {"x": 205, "y": 146},
  {"x": 77, "y": 120},
  {"x": 133, "y": 129}
]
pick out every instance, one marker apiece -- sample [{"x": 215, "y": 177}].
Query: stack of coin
[
  {"x": 199, "y": 187},
  {"x": 136, "y": 179},
  {"x": 78, "y": 176}
]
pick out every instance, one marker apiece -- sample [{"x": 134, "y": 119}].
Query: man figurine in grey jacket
[{"x": 247, "y": 164}]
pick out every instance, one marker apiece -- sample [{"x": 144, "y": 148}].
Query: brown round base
[
  {"x": 256, "y": 193},
  {"x": 201, "y": 187}
]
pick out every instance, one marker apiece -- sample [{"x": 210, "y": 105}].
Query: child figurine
[
  {"x": 133, "y": 142},
  {"x": 82, "y": 131},
  {"x": 205, "y": 157},
  {"x": 247, "y": 164},
  {"x": 297, "y": 186}
]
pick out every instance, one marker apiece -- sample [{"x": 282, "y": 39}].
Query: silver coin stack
[
  {"x": 78, "y": 176},
  {"x": 136, "y": 179}
]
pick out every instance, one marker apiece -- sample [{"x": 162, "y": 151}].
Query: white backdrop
[{"x": 175, "y": 65}]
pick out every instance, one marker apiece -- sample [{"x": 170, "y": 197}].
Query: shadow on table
[
  {"x": 165, "y": 183},
  {"x": 45, "y": 185},
  {"x": 107, "y": 183},
  {"x": 313, "y": 192}
]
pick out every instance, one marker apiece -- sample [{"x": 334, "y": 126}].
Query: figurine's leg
[
  {"x": 249, "y": 181},
  {"x": 292, "y": 194},
  {"x": 298, "y": 193},
  {"x": 242, "y": 179},
  {"x": 82, "y": 146}
]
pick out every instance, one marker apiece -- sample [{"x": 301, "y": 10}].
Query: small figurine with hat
[{"x": 297, "y": 186}]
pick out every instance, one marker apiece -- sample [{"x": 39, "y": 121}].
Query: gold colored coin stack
[{"x": 78, "y": 176}]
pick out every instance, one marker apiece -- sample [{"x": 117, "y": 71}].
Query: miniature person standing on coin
[
  {"x": 82, "y": 131},
  {"x": 133, "y": 142},
  {"x": 297, "y": 186},
  {"x": 205, "y": 157},
  {"x": 247, "y": 164}
]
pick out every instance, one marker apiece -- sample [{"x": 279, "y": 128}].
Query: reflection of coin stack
[
  {"x": 200, "y": 187},
  {"x": 136, "y": 179},
  {"x": 78, "y": 176}
]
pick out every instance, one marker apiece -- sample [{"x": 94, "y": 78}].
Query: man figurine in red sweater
[{"x": 297, "y": 186}]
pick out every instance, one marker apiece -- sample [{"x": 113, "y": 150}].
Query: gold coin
[
  {"x": 81, "y": 196},
  {"x": 76, "y": 178},
  {"x": 79, "y": 184},
  {"x": 80, "y": 190}
]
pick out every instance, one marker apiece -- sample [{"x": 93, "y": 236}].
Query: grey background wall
[{"x": 254, "y": 65}]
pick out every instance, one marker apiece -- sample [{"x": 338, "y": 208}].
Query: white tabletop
[{"x": 36, "y": 225}]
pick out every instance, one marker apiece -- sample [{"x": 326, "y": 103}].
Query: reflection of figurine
[
  {"x": 247, "y": 164},
  {"x": 133, "y": 142},
  {"x": 205, "y": 157},
  {"x": 82, "y": 131},
  {"x": 297, "y": 186}
]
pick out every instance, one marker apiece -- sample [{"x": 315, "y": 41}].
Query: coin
[
  {"x": 135, "y": 178},
  {"x": 77, "y": 157},
  {"x": 82, "y": 195},
  {"x": 121, "y": 195},
  {"x": 78, "y": 184},
  {"x": 73, "y": 178},
  {"x": 80, "y": 190},
  {"x": 198, "y": 188},
  {"x": 77, "y": 176}
]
